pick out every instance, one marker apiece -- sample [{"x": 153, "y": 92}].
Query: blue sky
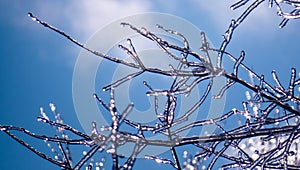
[{"x": 36, "y": 65}]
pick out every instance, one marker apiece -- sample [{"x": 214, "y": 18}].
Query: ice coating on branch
[
  {"x": 52, "y": 107},
  {"x": 43, "y": 113},
  {"x": 264, "y": 132},
  {"x": 248, "y": 96}
]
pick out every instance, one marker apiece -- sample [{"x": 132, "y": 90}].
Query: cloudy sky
[{"x": 36, "y": 64}]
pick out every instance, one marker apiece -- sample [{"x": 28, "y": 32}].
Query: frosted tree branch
[{"x": 264, "y": 132}]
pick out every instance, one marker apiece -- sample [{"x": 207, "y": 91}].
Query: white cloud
[
  {"x": 81, "y": 19},
  {"x": 86, "y": 17},
  {"x": 100, "y": 13}
]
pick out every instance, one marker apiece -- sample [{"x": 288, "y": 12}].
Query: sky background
[{"x": 36, "y": 64}]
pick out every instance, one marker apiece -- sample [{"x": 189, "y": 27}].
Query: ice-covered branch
[{"x": 264, "y": 128}]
